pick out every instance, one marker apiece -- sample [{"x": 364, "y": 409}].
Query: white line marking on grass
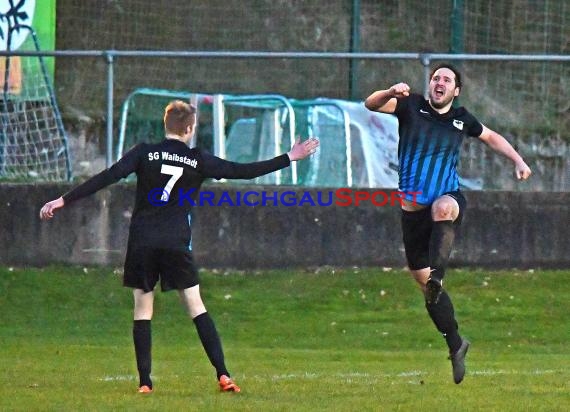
[
  {"x": 355, "y": 375},
  {"x": 349, "y": 377},
  {"x": 488, "y": 372},
  {"x": 118, "y": 378},
  {"x": 306, "y": 375},
  {"x": 411, "y": 373}
]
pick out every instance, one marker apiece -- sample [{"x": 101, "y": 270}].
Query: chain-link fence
[{"x": 527, "y": 101}]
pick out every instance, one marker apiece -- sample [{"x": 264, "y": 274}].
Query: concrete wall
[{"x": 501, "y": 229}]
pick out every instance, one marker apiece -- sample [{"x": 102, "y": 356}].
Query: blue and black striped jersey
[{"x": 429, "y": 145}]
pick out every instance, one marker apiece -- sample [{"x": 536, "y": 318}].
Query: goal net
[{"x": 33, "y": 143}]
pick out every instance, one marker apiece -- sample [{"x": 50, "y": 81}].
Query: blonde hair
[{"x": 178, "y": 115}]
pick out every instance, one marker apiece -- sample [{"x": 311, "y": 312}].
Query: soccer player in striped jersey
[
  {"x": 431, "y": 132},
  {"x": 169, "y": 176}
]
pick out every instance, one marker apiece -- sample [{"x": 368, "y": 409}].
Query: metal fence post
[{"x": 109, "y": 56}]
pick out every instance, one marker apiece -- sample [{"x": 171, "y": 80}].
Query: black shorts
[
  {"x": 416, "y": 230},
  {"x": 145, "y": 266}
]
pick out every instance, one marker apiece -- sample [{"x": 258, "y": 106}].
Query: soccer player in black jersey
[
  {"x": 169, "y": 176},
  {"x": 431, "y": 132}
]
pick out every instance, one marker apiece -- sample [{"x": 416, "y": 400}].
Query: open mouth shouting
[{"x": 439, "y": 92}]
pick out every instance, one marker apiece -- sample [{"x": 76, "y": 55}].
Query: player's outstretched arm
[
  {"x": 385, "y": 100},
  {"x": 500, "y": 145},
  {"x": 217, "y": 168},
  {"x": 47, "y": 210},
  {"x": 300, "y": 150},
  {"x": 125, "y": 166}
]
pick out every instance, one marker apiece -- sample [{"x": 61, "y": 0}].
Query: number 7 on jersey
[{"x": 175, "y": 172}]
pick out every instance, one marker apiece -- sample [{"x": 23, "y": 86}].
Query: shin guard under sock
[
  {"x": 443, "y": 317},
  {"x": 440, "y": 244},
  {"x": 211, "y": 342},
  {"x": 142, "y": 341}
]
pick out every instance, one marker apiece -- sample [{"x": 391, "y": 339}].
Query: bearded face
[{"x": 442, "y": 88}]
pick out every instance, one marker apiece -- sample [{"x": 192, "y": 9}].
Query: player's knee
[
  {"x": 142, "y": 313},
  {"x": 445, "y": 210},
  {"x": 197, "y": 311},
  {"x": 192, "y": 301},
  {"x": 421, "y": 276}
]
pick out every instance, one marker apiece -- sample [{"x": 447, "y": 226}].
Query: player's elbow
[{"x": 370, "y": 105}]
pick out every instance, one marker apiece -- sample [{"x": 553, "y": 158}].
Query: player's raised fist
[{"x": 400, "y": 90}]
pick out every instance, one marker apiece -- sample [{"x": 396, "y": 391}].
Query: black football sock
[
  {"x": 211, "y": 342},
  {"x": 440, "y": 244},
  {"x": 443, "y": 317},
  {"x": 142, "y": 340}
]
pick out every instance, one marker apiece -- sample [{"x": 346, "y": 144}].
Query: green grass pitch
[{"x": 297, "y": 340}]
